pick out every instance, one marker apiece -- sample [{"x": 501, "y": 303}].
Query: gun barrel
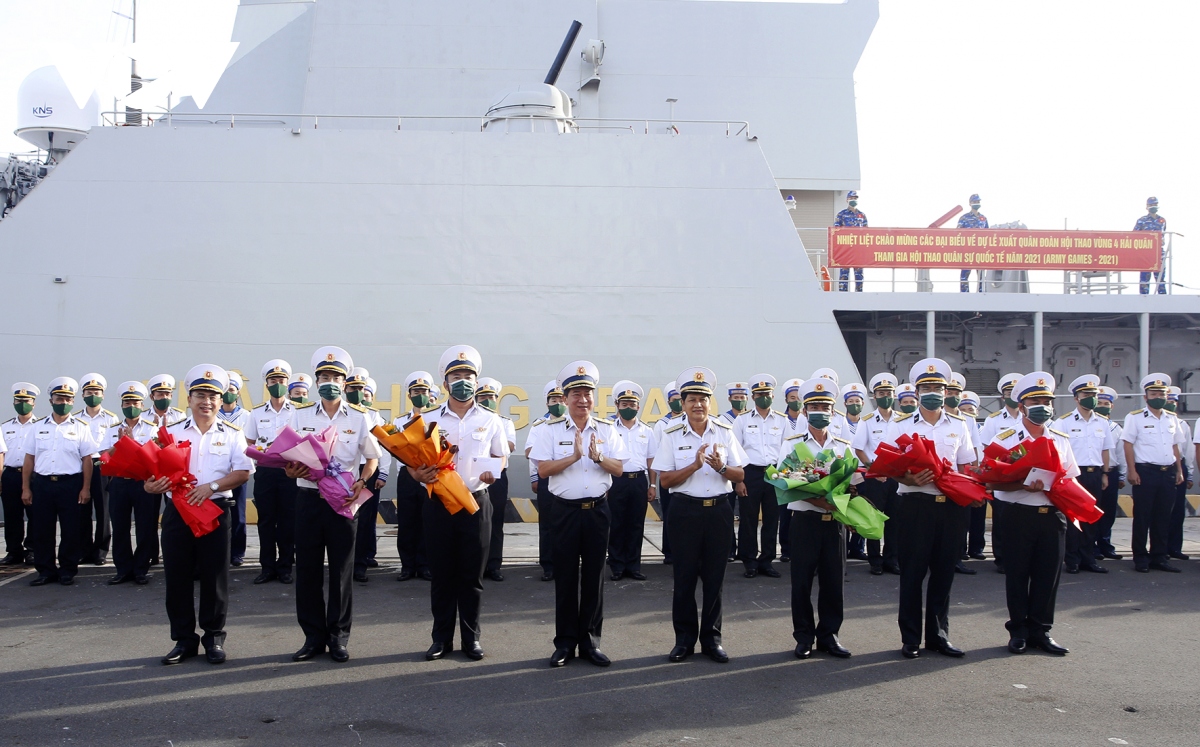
[{"x": 563, "y": 51}]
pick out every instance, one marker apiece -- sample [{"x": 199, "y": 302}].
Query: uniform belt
[
  {"x": 1159, "y": 467},
  {"x": 1090, "y": 469},
  {"x": 640, "y": 473},
  {"x": 705, "y": 502},
  {"x": 56, "y": 478},
  {"x": 584, "y": 504},
  {"x": 935, "y": 497},
  {"x": 754, "y": 468},
  {"x": 1027, "y": 507},
  {"x": 825, "y": 516},
  {"x": 18, "y": 469}
]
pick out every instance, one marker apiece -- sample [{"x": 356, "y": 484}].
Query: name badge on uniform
[
  {"x": 685, "y": 448},
  {"x": 309, "y": 429},
  {"x": 566, "y": 443},
  {"x": 753, "y": 425}
]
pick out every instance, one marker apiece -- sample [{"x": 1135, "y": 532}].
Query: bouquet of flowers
[
  {"x": 1004, "y": 465},
  {"x": 803, "y": 476},
  {"x": 418, "y": 446},
  {"x": 163, "y": 456},
  {"x": 315, "y": 451},
  {"x": 916, "y": 453}
]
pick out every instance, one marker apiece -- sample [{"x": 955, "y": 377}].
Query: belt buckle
[
  {"x": 707, "y": 502},
  {"x": 587, "y": 504},
  {"x": 826, "y": 517},
  {"x": 53, "y": 478},
  {"x": 939, "y": 499},
  {"x": 1043, "y": 509}
]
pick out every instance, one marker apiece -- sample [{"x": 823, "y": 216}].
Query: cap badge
[
  {"x": 819, "y": 387},
  {"x": 462, "y": 355},
  {"x": 931, "y": 369},
  {"x": 208, "y": 374},
  {"x": 329, "y": 356},
  {"x": 581, "y": 370},
  {"x": 133, "y": 388},
  {"x": 1041, "y": 382},
  {"x": 699, "y": 376}
]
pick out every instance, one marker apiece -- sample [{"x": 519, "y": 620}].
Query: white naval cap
[
  {"x": 738, "y": 387},
  {"x": 626, "y": 389},
  {"x": 956, "y": 381},
  {"x": 435, "y": 392},
  {"x": 488, "y": 385},
  {"x": 1006, "y": 381},
  {"x": 929, "y": 371},
  {"x": 332, "y": 358},
  {"x": 578, "y": 374},
  {"x": 369, "y": 385},
  {"x": 792, "y": 385},
  {"x": 818, "y": 389},
  {"x": 969, "y": 398},
  {"x": 1036, "y": 384},
  {"x": 1087, "y": 381},
  {"x": 358, "y": 375},
  {"x": 300, "y": 379},
  {"x": 25, "y": 390},
  {"x": 207, "y": 377},
  {"x": 133, "y": 390},
  {"x": 418, "y": 379},
  {"x": 235, "y": 380},
  {"x": 93, "y": 381},
  {"x": 1156, "y": 381},
  {"x": 277, "y": 367},
  {"x": 458, "y": 358},
  {"x": 64, "y": 385},
  {"x": 906, "y": 390},
  {"x": 826, "y": 373},
  {"x": 162, "y": 383},
  {"x": 1173, "y": 393},
  {"x": 697, "y": 379},
  {"x": 884, "y": 380},
  {"x": 670, "y": 388},
  {"x": 1108, "y": 393},
  {"x": 762, "y": 382},
  {"x": 853, "y": 390},
  {"x": 551, "y": 389}
]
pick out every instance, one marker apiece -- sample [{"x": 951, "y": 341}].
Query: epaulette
[
  {"x": 674, "y": 428},
  {"x": 601, "y": 421},
  {"x": 1103, "y": 416},
  {"x": 1006, "y": 434},
  {"x": 780, "y": 414},
  {"x": 903, "y": 416},
  {"x": 1138, "y": 412},
  {"x": 956, "y": 417},
  {"x": 360, "y": 408},
  {"x": 839, "y": 412},
  {"x": 505, "y": 417},
  {"x": 231, "y": 425},
  {"x": 302, "y": 407},
  {"x": 837, "y": 438},
  {"x": 798, "y": 435},
  {"x": 994, "y": 414},
  {"x": 1058, "y": 433},
  {"x": 558, "y": 419},
  {"x": 719, "y": 423},
  {"x": 108, "y": 413},
  {"x": 539, "y": 421}
]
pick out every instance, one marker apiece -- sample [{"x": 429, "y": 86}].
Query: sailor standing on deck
[
  {"x": 795, "y": 424},
  {"x": 298, "y": 388},
  {"x": 320, "y": 529},
  {"x": 488, "y": 396},
  {"x": 818, "y": 541},
  {"x": 699, "y": 459},
  {"x": 18, "y": 543},
  {"x": 851, "y": 216},
  {"x": 968, "y": 407},
  {"x": 971, "y": 219},
  {"x": 675, "y": 405},
  {"x": 1033, "y": 532},
  {"x": 93, "y": 548},
  {"x": 1179, "y": 509},
  {"x": 162, "y": 391},
  {"x": 1116, "y": 477},
  {"x": 1092, "y": 446},
  {"x": 360, "y": 391},
  {"x": 56, "y": 480},
  {"x": 237, "y": 416},
  {"x": 932, "y": 526},
  {"x": 219, "y": 464},
  {"x": 739, "y": 397},
  {"x": 458, "y": 543},
  {"x": 1153, "y": 441},
  {"x": 880, "y": 491},
  {"x": 128, "y": 499},
  {"x": 556, "y": 407},
  {"x": 410, "y": 494},
  {"x": 1007, "y": 417},
  {"x": 274, "y": 491},
  {"x": 578, "y": 455},
  {"x": 760, "y": 432},
  {"x": 1152, "y": 221},
  {"x": 630, "y": 490}
]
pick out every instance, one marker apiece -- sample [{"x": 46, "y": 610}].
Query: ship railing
[
  {"x": 908, "y": 280},
  {"x": 730, "y": 128}
]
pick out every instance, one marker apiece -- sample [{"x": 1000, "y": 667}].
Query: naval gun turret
[{"x": 542, "y": 107}]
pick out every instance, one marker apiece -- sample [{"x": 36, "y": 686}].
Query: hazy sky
[{"x": 1052, "y": 110}]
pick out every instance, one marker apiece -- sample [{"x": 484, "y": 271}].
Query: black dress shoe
[
  {"x": 361, "y": 576},
  {"x": 179, "y": 653},
  {"x": 265, "y": 576},
  {"x": 42, "y": 580},
  {"x": 1094, "y": 567},
  {"x": 12, "y": 559},
  {"x": 803, "y": 651},
  {"x": 833, "y": 647},
  {"x": 616, "y": 575},
  {"x": 769, "y": 571},
  {"x": 892, "y": 568},
  {"x": 29, "y": 558},
  {"x": 339, "y": 653},
  {"x": 1141, "y": 568},
  {"x": 473, "y": 650},
  {"x": 547, "y": 575},
  {"x": 141, "y": 580},
  {"x": 236, "y": 562},
  {"x": 716, "y": 653},
  {"x": 69, "y": 580},
  {"x": 679, "y": 653},
  {"x": 1111, "y": 555},
  {"x": 308, "y": 651},
  {"x": 946, "y": 648},
  {"x": 856, "y": 555},
  {"x": 977, "y": 556},
  {"x": 494, "y": 575},
  {"x": 1016, "y": 645},
  {"x": 371, "y": 563},
  {"x": 636, "y": 575},
  {"x": 1048, "y": 645},
  {"x": 785, "y": 558},
  {"x": 1071, "y": 568},
  {"x": 425, "y": 574},
  {"x": 102, "y": 559},
  {"x": 1165, "y": 567},
  {"x": 285, "y": 577},
  {"x": 595, "y": 656},
  {"x": 404, "y": 575},
  {"x": 1180, "y": 556},
  {"x": 215, "y": 654},
  {"x": 876, "y": 570},
  {"x": 750, "y": 572},
  {"x": 120, "y": 578},
  {"x": 960, "y": 568},
  {"x": 561, "y": 656},
  {"x": 911, "y": 651},
  {"x": 438, "y": 650}
]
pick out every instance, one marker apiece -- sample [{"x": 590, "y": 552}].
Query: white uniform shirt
[
  {"x": 14, "y": 432},
  {"x": 1090, "y": 437},
  {"x": 1185, "y": 450},
  {"x": 141, "y": 431},
  {"x": 761, "y": 437},
  {"x": 59, "y": 448},
  {"x": 479, "y": 433},
  {"x": 640, "y": 444},
  {"x": 1153, "y": 438},
  {"x": 533, "y": 473},
  {"x": 1011, "y": 438},
  {"x": 354, "y": 437},
  {"x": 678, "y": 447},
  {"x": 215, "y": 454},
  {"x": 872, "y": 430},
  {"x": 265, "y": 422},
  {"x": 510, "y": 432},
  {"x": 239, "y": 417},
  {"x": 950, "y": 435},
  {"x": 994, "y": 423},
  {"x": 832, "y": 443},
  {"x": 555, "y": 439},
  {"x": 838, "y": 425},
  {"x": 1117, "y": 457},
  {"x": 100, "y": 423},
  {"x": 664, "y": 423}
]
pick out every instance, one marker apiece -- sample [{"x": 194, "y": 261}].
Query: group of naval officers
[{"x": 593, "y": 479}]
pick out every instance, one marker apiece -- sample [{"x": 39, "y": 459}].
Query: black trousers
[
  {"x": 977, "y": 530},
  {"x": 55, "y": 503},
  {"x": 785, "y": 534},
  {"x": 498, "y": 495},
  {"x": 545, "y": 507},
  {"x": 95, "y": 531},
  {"x": 760, "y": 496},
  {"x": 627, "y": 500},
  {"x": 129, "y": 503},
  {"x": 1081, "y": 543},
  {"x": 320, "y": 531},
  {"x": 458, "y": 548},
  {"x": 16, "y": 540},
  {"x": 664, "y": 500},
  {"x": 237, "y": 523},
  {"x": 366, "y": 542},
  {"x": 1152, "y": 504},
  {"x": 882, "y": 496},
  {"x": 998, "y": 531},
  {"x": 275, "y": 499},
  {"x": 700, "y": 535},
  {"x": 1034, "y": 545},
  {"x": 1109, "y": 505},
  {"x": 930, "y": 544},
  {"x": 411, "y": 498},
  {"x": 1178, "y": 514},
  {"x": 580, "y": 544},
  {"x": 185, "y": 554},
  {"x": 820, "y": 546}
]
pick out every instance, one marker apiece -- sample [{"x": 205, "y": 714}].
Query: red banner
[{"x": 995, "y": 249}]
